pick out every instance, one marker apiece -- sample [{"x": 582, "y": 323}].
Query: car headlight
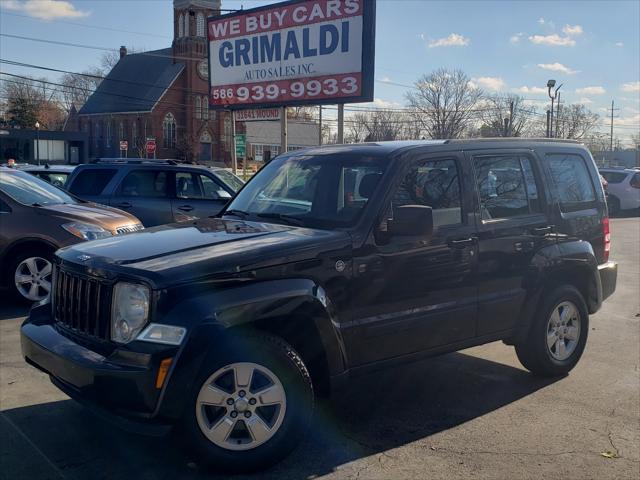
[
  {"x": 86, "y": 231},
  {"x": 166, "y": 334},
  {"x": 129, "y": 312}
]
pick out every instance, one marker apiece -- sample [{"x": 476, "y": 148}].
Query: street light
[
  {"x": 38, "y": 141},
  {"x": 550, "y": 85}
]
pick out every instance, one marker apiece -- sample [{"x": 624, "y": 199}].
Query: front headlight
[
  {"x": 86, "y": 231},
  {"x": 129, "y": 312},
  {"x": 165, "y": 334}
]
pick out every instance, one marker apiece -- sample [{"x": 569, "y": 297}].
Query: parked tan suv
[{"x": 36, "y": 219}]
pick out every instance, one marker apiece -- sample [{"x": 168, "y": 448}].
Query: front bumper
[{"x": 119, "y": 383}]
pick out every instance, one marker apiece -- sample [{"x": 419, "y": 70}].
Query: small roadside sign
[
  {"x": 241, "y": 145},
  {"x": 124, "y": 145},
  {"x": 151, "y": 146}
]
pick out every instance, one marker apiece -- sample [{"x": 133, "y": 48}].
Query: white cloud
[
  {"x": 45, "y": 9},
  {"x": 552, "y": 40},
  {"x": 535, "y": 90},
  {"x": 619, "y": 44},
  {"x": 630, "y": 87},
  {"x": 453, "y": 40},
  {"x": 384, "y": 79},
  {"x": 489, "y": 83},
  {"x": 572, "y": 30},
  {"x": 515, "y": 39},
  {"x": 548, "y": 23},
  {"x": 585, "y": 100},
  {"x": 557, "y": 67},
  {"x": 590, "y": 91}
]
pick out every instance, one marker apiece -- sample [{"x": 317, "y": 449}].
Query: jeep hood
[{"x": 175, "y": 253}]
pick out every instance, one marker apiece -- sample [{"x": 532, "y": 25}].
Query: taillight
[
  {"x": 607, "y": 238},
  {"x": 635, "y": 181}
]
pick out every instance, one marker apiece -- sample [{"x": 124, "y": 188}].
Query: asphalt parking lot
[{"x": 473, "y": 414}]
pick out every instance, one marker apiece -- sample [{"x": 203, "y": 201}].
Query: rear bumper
[
  {"x": 120, "y": 386},
  {"x": 608, "y": 278}
]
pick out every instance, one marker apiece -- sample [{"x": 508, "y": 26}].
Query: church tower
[{"x": 190, "y": 47}]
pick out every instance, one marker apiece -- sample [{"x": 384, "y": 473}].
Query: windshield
[
  {"x": 229, "y": 179},
  {"x": 314, "y": 191},
  {"x": 29, "y": 190}
]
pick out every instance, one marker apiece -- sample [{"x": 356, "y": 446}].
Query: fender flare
[
  {"x": 573, "y": 262},
  {"x": 222, "y": 310}
]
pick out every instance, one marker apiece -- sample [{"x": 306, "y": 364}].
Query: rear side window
[
  {"x": 614, "y": 177},
  {"x": 573, "y": 185},
  {"x": 144, "y": 183},
  {"x": 506, "y": 186},
  {"x": 91, "y": 181}
]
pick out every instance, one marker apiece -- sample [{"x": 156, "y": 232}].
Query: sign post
[
  {"x": 283, "y": 131},
  {"x": 234, "y": 153}
]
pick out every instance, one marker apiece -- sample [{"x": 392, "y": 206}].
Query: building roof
[{"x": 135, "y": 84}]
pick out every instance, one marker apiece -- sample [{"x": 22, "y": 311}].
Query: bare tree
[
  {"x": 576, "y": 121},
  {"x": 79, "y": 87},
  {"x": 506, "y": 116},
  {"x": 301, "y": 113},
  {"x": 29, "y": 101},
  {"x": 444, "y": 102}
]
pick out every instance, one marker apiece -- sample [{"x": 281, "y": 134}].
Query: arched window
[
  {"x": 205, "y": 108},
  {"x": 200, "y": 25},
  {"x": 107, "y": 136},
  {"x": 121, "y": 133},
  {"x": 97, "y": 139},
  {"x": 186, "y": 26},
  {"x": 181, "y": 26},
  {"x": 169, "y": 131},
  {"x": 134, "y": 134},
  {"x": 198, "y": 108},
  {"x": 205, "y": 137}
]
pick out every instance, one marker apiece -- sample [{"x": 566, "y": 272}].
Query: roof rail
[{"x": 136, "y": 161}]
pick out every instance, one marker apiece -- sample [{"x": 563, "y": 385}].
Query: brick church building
[{"x": 161, "y": 94}]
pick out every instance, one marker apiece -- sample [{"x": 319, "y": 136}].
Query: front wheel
[
  {"x": 251, "y": 406},
  {"x": 558, "y": 334}
]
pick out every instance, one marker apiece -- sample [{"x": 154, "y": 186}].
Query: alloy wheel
[
  {"x": 563, "y": 330},
  {"x": 33, "y": 278},
  {"x": 241, "y": 406}
]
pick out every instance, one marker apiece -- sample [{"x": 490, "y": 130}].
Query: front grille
[
  {"x": 129, "y": 229},
  {"x": 82, "y": 304}
]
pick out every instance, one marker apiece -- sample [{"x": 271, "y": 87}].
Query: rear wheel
[
  {"x": 29, "y": 275},
  {"x": 250, "y": 407},
  {"x": 558, "y": 335}
]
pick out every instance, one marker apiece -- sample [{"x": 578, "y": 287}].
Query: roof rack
[{"x": 137, "y": 161}]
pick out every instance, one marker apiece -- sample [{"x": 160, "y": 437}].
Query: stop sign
[{"x": 151, "y": 147}]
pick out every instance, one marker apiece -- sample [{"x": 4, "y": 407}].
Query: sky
[{"x": 592, "y": 47}]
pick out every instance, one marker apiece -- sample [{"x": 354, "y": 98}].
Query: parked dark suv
[
  {"x": 329, "y": 263},
  {"x": 155, "y": 191}
]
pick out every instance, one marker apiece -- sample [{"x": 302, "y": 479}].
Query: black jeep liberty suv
[{"x": 329, "y": 263}]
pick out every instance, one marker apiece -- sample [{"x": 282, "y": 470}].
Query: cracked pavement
[{"x": 472, "y": 414}]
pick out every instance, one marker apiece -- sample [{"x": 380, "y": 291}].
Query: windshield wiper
[
  {"x": 284, "y": 217},
  {"x": 236, "y": 213}
]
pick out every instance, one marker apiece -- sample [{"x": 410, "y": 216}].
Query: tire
[
  {"x": 613, "y": 204},
  {"x": 239, "y": 444},
  {"x": 550, "y": 350},
  {"x": 34, "y": 267}
]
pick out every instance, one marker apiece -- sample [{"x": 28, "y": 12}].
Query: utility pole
[
  {"x": 320, "y": 129},
  {"x": 557, "y": 116},
  {"x": 234, "y": 155},
  {"x": 284, "y": 146},
  {"x": 548, "y": 121},
  {"x": 611, "y": 143},
  {"x": 341, "y": 123}
]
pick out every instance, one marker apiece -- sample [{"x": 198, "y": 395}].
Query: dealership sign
[{"x": 302, "y": 52}]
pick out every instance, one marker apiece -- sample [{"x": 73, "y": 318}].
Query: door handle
[
  {"x": 462, "y": 243},
  {"x": 542, "y": 230},
  {"x": 185, "y": 208},
  {"x": 124, "y": 205}
]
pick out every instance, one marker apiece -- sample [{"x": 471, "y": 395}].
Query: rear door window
[
  {"x": 571, "y": 180},
  {"x": 144, "y": 183},
  {"x": 506, "y": 186},
  {"x": 91, "y": 181},
  {"x": 614, "y": 177}
]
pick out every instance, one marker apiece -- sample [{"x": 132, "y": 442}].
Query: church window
[
  {"x": 169, "y": 131},
  {"x": 200, "y": 25}
]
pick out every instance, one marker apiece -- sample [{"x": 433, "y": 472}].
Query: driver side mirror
[{"x": 411, "y": 220}]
